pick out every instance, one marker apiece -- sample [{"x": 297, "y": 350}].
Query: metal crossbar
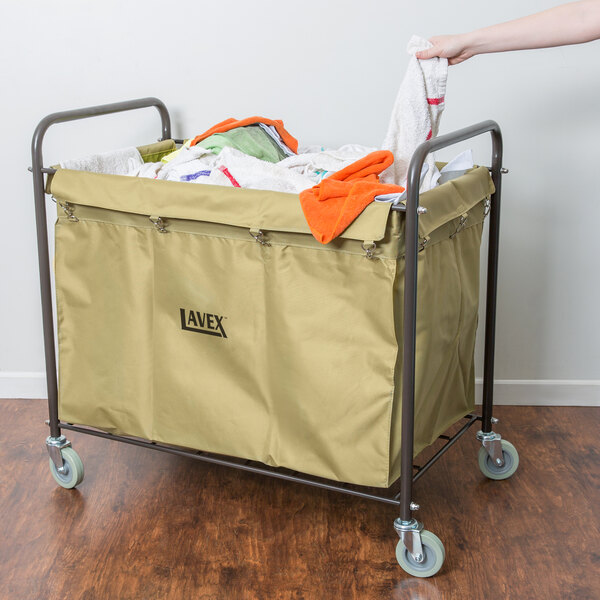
[{"x": 277, "y": 472}]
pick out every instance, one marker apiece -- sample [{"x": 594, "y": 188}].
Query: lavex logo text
[{"x": 193, "y": 320}]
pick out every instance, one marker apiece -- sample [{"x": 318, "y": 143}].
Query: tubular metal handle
[
  {"x": 443, "y": 141},
  {"x": 95, "y": 111}
]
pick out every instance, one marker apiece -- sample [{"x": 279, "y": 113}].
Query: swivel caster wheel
[
  {"x": 72, "y": 471},
  {"x": 492, "y": 470},
  {"x": 433, "y": 556}
]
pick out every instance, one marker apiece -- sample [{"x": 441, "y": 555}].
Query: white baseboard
[
  {"x": 525, "y": 392},
  {"x": 23, "y": 384},
  {"x": 543, "y": 392}
]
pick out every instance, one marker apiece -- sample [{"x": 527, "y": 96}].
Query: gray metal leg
[
  {"x": 406, "y": 522},
  {"x": 492, "y": 285}
]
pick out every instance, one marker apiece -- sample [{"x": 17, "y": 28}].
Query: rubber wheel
[
  {"x": 493, "y": 471},
  {"x": 73, "y": 474},
  {"x": 434, "y": 555}
]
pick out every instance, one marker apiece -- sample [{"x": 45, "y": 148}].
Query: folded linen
[{"x": 270, "y": 130}]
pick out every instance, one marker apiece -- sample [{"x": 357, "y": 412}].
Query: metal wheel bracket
[
  {"x": 492, "y": 442},
  {"x": 410, "y": 534},
  {"x": 54, "y": 447}
]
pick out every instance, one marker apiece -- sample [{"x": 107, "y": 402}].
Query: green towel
[{"x": 251, "y": 140}]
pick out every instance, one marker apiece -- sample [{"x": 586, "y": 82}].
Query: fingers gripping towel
[
  {"x": 416, "y": 114},
  {"x": 332, "y": 205}
]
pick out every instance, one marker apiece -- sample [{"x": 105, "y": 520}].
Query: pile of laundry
[{"x": 334, "y": 186}]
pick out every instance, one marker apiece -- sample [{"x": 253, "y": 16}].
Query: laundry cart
[{"x": 207, "y": 322}]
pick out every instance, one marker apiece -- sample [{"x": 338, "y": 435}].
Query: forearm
[{"x": 572, "y": 23}]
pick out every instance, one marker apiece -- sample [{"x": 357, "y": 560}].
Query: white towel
[
  {"x": 396, "y": 199},
  {"x": 193, "y": 165},
  {"x": 458, "y": 166},
  {"x": 186, "y": 154},
  {"x": 320, "y": 164},
  {"x": 200, "y": 170},
  {"x": 148, "y": 170},
  {"x": 416, "y": 114},
  {"x": 118, "y": 162},
  {"x": 293, "y": 174},
  {"x": 253, "y": 173}
]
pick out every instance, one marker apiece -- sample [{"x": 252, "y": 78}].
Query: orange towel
[
  {"x": 290, "y": 141},
  {"x": 332, "y": 205}
]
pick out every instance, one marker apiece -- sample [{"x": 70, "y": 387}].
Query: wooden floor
[{"x": 147, "y": 525}]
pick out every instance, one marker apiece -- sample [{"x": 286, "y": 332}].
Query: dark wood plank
[{"x": 145, "y": 525}]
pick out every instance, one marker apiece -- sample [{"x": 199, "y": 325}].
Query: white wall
[{"x": 331, "y": 71}]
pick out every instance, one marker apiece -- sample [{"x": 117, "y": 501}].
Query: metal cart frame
[{"x": 407, "y": 527}]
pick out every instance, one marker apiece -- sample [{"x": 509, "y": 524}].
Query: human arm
[{"x": 572, "y": 23}]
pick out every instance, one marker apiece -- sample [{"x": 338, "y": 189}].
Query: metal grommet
[
  {"x": 158, "y": 223},
  {"x": 369, "y": 248},
  {"x": 259, "y": 236}
]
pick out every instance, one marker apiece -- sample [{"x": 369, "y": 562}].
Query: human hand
[{"x": 453, "y": 47}]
